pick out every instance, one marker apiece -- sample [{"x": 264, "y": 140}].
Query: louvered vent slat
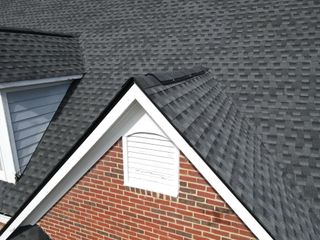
[{"x": 151, "y": 161}]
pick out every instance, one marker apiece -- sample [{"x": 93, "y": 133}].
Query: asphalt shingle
[
  {"x": 232, "y": 146},
  {"x": 28, "y": 55},
  {"x": 264, "y": 53},
  {"x": 29, "y": 232}
]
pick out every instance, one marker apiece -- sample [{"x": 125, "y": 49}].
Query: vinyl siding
[{"x": 31, "y": 112}]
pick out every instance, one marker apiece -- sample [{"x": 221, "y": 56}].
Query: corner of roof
[{"x": 166, "y": 78}]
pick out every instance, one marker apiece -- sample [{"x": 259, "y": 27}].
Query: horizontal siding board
[
  {"x": 22, "y": 96},
  {"x": 31, "y": 131},
  {"x": 23, "y": 161},
  {"x": 27, "y": 151},
  {"x": 31, "y": 112},
  {"x": 28, "y": 141},
  {"x": 37, "y": 102},
  {"x": 31, "y": 122}
]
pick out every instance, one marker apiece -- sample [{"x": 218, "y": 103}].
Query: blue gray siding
[{"x": 31, "y": 112}]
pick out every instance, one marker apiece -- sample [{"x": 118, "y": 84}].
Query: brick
[
  {"x": 99, "y": 206},
  {"x": 193, "y": 231},
  {"x": 184, "y": 234}
]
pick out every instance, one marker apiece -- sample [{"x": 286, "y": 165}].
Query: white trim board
[
  {"x": 134, "y": 94},
  {"x": 4, "y": 218},
  {"x": 27, "y": 83},
  {"x": 10, "y": 165}
]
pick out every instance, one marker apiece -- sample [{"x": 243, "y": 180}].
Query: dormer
[{"x": 36, "y": 70}]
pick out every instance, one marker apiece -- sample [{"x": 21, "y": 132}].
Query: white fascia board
[
  {"x": 27, "y": 83},
  {"x": 4, "y": 218},
  {"x": 136, "y": 94}
]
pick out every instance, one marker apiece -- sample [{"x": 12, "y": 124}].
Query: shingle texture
[
  {"x": 27, "y": 55},
  {"x": 29, "y": 233},
  {"x": 213, "y": 125},
  {"x": 264, "y": 53}
]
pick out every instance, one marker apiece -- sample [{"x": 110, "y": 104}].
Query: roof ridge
[
  {"x": 165, "y": 77},
  {"x": 35, "y": 32},
  {"x": 179, "y": 75}
]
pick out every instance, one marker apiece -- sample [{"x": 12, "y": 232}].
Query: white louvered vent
[{"x": 151, "y": 160}]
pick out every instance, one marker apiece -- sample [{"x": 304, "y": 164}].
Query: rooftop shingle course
[
  {"x": 31, "y": 55},
  {"x": 265, "y": 54},
  {"x": 233, "y": 148}
]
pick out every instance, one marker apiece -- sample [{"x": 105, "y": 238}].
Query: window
[
  {"x": 151, "y": 160},
  {"x": 25, "y": 114}
]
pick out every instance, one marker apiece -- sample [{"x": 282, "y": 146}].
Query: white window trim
[
  {"x": 146, "y": 125},
  {"x": 132, "y": 95},
  {"x": 8, "y": 148}
]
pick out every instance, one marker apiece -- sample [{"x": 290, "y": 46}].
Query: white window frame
[
  {"x": 146, "y": 125},
  {"x": 9, "y": 158},
  {"x": 8, "y": 152}
]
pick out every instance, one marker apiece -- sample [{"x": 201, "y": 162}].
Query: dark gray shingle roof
[
  {"x": 29, "y": 233},
  {"x": 213, "y": 125},
  {"x": 265, "y": 54},
  {"x": 30, "y": 55}
]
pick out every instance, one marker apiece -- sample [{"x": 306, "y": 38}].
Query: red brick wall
[{"x": 100, "y": 207}]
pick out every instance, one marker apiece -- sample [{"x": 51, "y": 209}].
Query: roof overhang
[
  {"x": 37, "y": 82},
  {"x": 82, "y": 158}
]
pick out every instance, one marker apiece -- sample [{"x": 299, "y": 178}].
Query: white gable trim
[{"x": 29, "y": 213}]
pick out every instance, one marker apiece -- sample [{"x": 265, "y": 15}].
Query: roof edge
[{"x": 36, "y": 32}]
